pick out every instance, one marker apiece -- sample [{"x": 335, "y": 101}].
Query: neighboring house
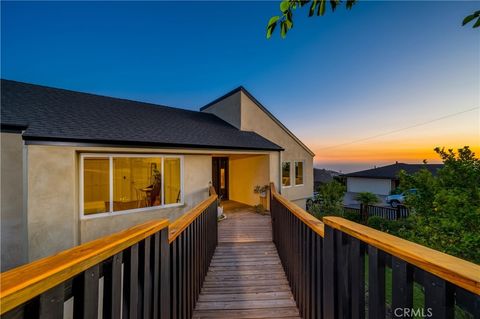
[
  {"x": 77, "y": 166},
  {"x": 380, "y": 180},
  {"x": 322, "y": 176}
]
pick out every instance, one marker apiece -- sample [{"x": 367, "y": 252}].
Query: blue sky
[{"x": 379, "y": 67}]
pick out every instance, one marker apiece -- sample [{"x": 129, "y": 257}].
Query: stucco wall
[
  {"x": 373, "y": 185},
  {"x": 228, "y": 109},
  {"x": 255, "y": 119},
  {"x": 54, "y": 222},
  {"x": 245, "y": 173},
  {"x": 13, "y": 220}
]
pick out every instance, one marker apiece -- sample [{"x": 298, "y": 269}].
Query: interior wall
[
  {"x": 245, "y": 173},
  {"x": 13, "y": 221}
]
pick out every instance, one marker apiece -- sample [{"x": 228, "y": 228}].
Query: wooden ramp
[{"x": 245, "y": 278}]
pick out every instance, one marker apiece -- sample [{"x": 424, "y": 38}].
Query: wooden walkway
[{"x": 245, "y": 278}]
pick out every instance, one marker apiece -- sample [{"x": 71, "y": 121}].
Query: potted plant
[
  {"x": 261, "y": 190},
  {"x": 219, "y": 206}
]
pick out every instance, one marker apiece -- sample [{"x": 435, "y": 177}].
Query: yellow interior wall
[
  {"x": 245, "y": 173},
  {"x": 171, "y": 167}
]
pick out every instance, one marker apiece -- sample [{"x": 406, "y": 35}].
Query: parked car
[{"x": 399, "y": 199}]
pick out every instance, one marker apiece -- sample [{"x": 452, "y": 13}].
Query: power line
[{"x": 400, "y": 129}]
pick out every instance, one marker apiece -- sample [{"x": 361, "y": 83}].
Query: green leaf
[
  {"x": 283, "y": 30},
  {"x": 272, "y": 23},
  {"x": 311, "y": 11},
  {"x": 284, "y": 6},
  {"x": 350, "y": 3},
  {"x": 477, "y": 24},
  {"x": 321, "y": 9},
  {"x": 468, "y": 19},
  {"x": 273, "y": 20}
]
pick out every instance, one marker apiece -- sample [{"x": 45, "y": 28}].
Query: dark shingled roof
[
  {"x": 391, "y": 171},
  {"x": 51, "y": 114}
]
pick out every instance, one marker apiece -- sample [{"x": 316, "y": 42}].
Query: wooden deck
[{"x": 245, "y": 278}]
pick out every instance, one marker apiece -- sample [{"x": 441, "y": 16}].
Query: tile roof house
[{"x": 77, "y": 166}]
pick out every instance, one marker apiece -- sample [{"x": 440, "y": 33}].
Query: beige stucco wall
[
  {"x": 13, "y": 220},
  {"x": 54, "y": 222},
  {"x": 245, "y": 173},
  {"x": 228, "y": 109},
  {"x": 255, "y": 119},
  {"x": 373, "y": 185},
  {"x": 248, "y": 116}
]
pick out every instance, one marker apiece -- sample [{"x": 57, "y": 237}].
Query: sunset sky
[{"x": 384, "y": 82}]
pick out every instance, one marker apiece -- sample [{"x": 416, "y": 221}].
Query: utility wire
[{"x": 400, "y": 129}]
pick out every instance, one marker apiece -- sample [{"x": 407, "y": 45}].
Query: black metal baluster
[
  {"x": 155, "y": 262},
  {"x": 85, "y": 302},
  {"x": 130, "y": 283},
  {"x": 329, "y": 274},
  {"x": 51, "y": 303},
  {"x": 357, "y": 270},
  {"x": 402, "y": 284},
  {"x": 376, "y": 283},
  {"x": 439, "y": 297},
  {"x": 164, "y": 274},
  {"x": 112, "y": 292}
]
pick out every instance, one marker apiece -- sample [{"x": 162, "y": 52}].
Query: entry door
[{"x": 220, "y": 176}]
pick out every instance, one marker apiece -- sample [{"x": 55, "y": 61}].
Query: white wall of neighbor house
[
  {"x": 374, "y": 185},
  {"x": 13, "y": 228}
]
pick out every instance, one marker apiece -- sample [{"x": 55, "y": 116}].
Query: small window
[
  {"x": 286, "y": 179},
  {"x": 298, "y": 173}
]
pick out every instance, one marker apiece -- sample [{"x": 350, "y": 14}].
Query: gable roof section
[
  {"x": 51, "y": 114},
  {"x": 391, "y": 171},
  {"x": 263, "y": 108}
]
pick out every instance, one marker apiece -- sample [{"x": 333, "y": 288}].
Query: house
[
  {"x": 78, "y": 166},
  {"x": 381, "y": 180}
]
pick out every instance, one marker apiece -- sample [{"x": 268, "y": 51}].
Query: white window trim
[
  {"x": 295, "y": 175},
  {"x": 110, "y": 156},
  {"x": 290, "y": 173}
]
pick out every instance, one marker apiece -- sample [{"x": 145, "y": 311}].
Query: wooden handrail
[
  {"x": 186, "y": 219},
  {"x": 26, "y": 282},
  {"x": 455, "y": 270},
  {"x": 316, "y": 225}
]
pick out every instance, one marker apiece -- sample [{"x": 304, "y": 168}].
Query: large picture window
[
  {"x": 298, "y": 173},
  {"x": 286, "y": 179},
  {"x": 117, "y": 183}
]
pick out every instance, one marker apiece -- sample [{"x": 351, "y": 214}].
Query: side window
[
  {"x": 299, "y": 173},
  {"x": 286, "y": 179}
]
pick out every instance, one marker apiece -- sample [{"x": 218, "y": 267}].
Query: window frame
[
  {"x": 295, "y": 173},
  {"x": 110, "y": 157},
  {"x": 289, "y": 172}
]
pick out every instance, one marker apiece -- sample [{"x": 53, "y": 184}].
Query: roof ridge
[{"x": 149, "y": 104}]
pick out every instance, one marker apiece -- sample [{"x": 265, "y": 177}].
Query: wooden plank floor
[{"x": 245, "y": 278}]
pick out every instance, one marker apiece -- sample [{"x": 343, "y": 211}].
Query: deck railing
[
  {"x": 331, "y": 267},
  {"x": 193, "y": 239},
  {"x": 148, "y": 271}
]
